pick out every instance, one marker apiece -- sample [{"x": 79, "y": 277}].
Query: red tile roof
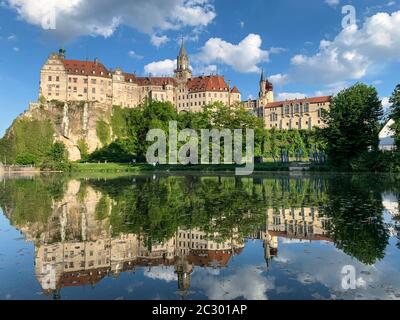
[
  {"x": 209, "y": 258},
  {"x": 156, "y": 81},
  {"x": 323, "y": 99},
  {"x": 235, "y": 90},
  {"x": 207, "y": 83},
  {"x": 86, "y": 68}
]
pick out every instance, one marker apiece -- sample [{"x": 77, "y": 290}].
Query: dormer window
[
  {"x": 102, "y": 73},
  {"x": 94, "y": 72}
]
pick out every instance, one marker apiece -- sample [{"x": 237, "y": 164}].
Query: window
[
  {"x": 306, "y": 108},
  {"x": 57, "y": 79},
  {"x": 50, "y": 78},
  {"x": 93, "y": 90},
  {"x": 94, "y": 81}
]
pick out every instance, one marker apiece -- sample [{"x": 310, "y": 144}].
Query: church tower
[
  {"x": 266, "y": 94},
  {"x": 183, "y": 71}
]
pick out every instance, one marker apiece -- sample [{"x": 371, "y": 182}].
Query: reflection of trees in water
[
  {"x": 355, "y": 207},
  {"x": 156, "y": 207}
]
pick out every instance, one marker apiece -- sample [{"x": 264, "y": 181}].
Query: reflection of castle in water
[
  {"x": 79, "y": 249},
  {"x": 303, "y": 224}
]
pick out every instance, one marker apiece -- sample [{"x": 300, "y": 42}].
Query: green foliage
[
  {"x": 102, "y": 208},
  {"x": 57, "y": 158},
  {"x": 42, "y": 99},
  {"x": 395, "y": 113},
  {"x": 119, "y": 122},
  {"x": 130, "y": 128},
  {"x": 103, "y": 132},
  {"x": 377, "y": 161},
  {"x": 84, "y": 149},
  {"x": 31, "y": 138},
  {"x": 29, "y": 202},
  {"x": 294, "y": 141},
  {"x": 357, "y": 225},
  {"x": 120, "y": 151},
  {"x": 26, "y": 159},
  {"x": 353, "y": 124}
]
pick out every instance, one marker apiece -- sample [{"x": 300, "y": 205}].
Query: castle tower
[
  {"x": 183, "y": 71},
  {"x": 184, "y": 270},
  {"x": 266, "y": 94}
]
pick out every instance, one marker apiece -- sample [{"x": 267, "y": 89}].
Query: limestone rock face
[{"x": 72, "y": 122}]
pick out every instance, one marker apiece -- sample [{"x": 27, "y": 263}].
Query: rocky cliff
[{"x": 81, "y": 126}]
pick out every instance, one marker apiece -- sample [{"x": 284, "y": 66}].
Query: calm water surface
[{"x": 275, "y": 236}]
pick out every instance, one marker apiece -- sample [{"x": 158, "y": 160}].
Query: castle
[
  {"x": 75, "y": 80},
  {"x": 90, "y": 81}
]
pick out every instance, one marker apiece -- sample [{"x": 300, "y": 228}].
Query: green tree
[
  {"x": 352, "y": 124},
  {"x": 395, "y": 113},
  {"x": 57, "y": 158}
]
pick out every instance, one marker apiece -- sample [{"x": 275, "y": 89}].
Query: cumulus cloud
[
  {"x": 289, "y": 96},
  {"x": 161, "y": 68},
  {"x": 206, "y": 70},
  {"x": 278, "y": 79},
  {"x": 242, "y": 57},
  {"x": 102, "y": 17},
  {"x": 247, "y": 282},
  {"x": 160, "y": 273},
  {"x": 352, "y": 53},
  {"x": 158, "y": 41}
]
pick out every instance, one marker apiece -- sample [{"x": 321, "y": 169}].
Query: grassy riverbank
[{"x": 137, "y": 168}]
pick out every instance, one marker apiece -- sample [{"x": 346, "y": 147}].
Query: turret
[
  {"x": 61, "y": 53},
  {"x": 266, "y": 94}
]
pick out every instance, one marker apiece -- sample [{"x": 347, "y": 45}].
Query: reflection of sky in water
[{"x": 301, "y": 270}]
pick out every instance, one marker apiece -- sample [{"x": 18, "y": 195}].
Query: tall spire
[
  {"x": 262, "y": 76},
  {"x": 182, "y": 51},
  {"x": 183, "y": 71}
]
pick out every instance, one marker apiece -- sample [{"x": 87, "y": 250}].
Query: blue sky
[{"x": 301, "y": 45}]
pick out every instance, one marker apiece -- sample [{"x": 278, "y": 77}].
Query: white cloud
[
  {"x": 289, "y": 96},
  {"x": 160, "y": 273},
  {"x": 243, "y": 57},
  {"x": 385, "y": 103},
  {"x": 158, "y": 41},
  {"x": 206, "y": 70},
  {"x": 102, "y": 17},
  {"x": 332, "y": 2},
  {"x": 247, "y": 282},
  {"x": 352, "y": 53},
  {"x": 278, "y": 79},
  {"x": 16, "y": 49},
  {"x": 160, "y": 68},
  {"x": 12, "y": 37},
  {"x": 132, "y": 54}
]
